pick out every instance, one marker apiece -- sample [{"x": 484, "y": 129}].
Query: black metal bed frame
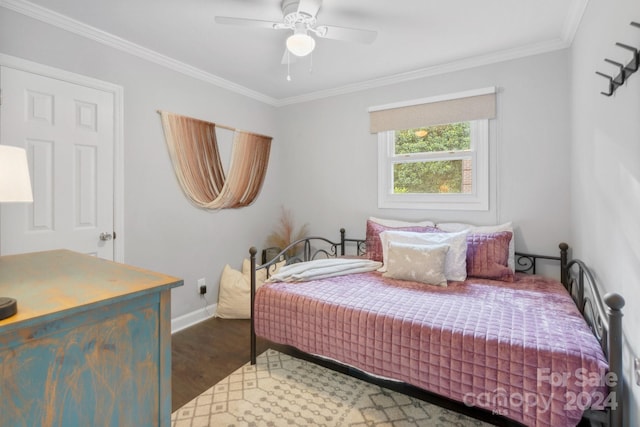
[{"x": 603, "y": 315}]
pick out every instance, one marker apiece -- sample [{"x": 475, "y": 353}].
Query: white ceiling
[{"x": 415, "y": 38}]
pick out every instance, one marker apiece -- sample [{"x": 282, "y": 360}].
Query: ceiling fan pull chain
[
  {"x": 311, "y": 63},
  {"x": 288, "y": 66}
]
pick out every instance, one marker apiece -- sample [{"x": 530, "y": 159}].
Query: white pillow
[
  {"x": 507, "y": 226},
  {"x": 456, "y": 262},
  {"x": 234, "y": 299},
  {"x": 261, "y": 275},
  {"x": 418, "y": 263},
  {"x": 398, "y": 223}
]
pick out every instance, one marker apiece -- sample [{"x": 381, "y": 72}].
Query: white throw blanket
[{"x": 323, "y": 268}]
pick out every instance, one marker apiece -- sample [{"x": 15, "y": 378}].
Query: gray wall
[
  {"x": 605, "y": 185},
  {"x": 331, "y": 168},
  {"x": 324, "y": 160},
  {"x": 163, "y": 231}
]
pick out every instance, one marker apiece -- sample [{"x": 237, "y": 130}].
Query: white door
[{"x": 68, "y": 132}]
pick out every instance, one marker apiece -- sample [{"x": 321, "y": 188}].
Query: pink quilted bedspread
[{"x": 520, "y": 349}]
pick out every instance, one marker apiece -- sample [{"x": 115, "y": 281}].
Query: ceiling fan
[{"x": 299, "y": 16}]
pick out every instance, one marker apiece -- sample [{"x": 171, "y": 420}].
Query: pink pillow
[
  {"x": 374, "y": 246},
  {"x": 488, "y": 255}
]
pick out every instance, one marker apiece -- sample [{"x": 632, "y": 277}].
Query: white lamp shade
[
  {"x": 15, "y": 183},
  {"x": 300, "y": 44}
]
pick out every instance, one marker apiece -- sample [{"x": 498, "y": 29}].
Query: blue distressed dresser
[{"x": 90, "y": 344}]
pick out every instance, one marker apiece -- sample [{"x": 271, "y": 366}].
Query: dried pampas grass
[{"x": 284, "y": 234}]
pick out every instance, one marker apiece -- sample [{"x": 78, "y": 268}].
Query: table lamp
[{"x": 15, "y": 186}]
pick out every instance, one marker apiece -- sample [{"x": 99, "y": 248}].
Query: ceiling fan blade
[
  {"x": 310, "y": 7},
  {"x": 246, "y": 22},
  {"x": 348, "y": 34}
]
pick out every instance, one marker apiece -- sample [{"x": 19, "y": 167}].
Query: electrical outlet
[
  {"x": 636, "y": 369},
  {"x": 202, "y": 286}
]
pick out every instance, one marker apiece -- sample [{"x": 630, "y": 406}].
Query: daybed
[{"x": 521, "y": 350}]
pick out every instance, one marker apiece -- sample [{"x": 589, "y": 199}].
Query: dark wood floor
[{"x": 205, "y": 353}]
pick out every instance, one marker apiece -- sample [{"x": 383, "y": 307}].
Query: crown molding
[
  {"x": 571, "y": 25},
  {"x": 481, "y": 60},
  {"x": 61, "y": 21},
  {"x": 578, "y": 7},
  {"x": 64, "y": 22}
]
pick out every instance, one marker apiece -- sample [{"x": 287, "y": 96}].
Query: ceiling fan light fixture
[{"x": 300, "y": 43}]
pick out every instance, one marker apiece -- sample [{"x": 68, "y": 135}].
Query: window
[
  {"x": 433, "y": 165},
  {"x": 436, "y": 167}
]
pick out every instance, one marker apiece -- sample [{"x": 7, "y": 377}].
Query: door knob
[{"x": 106, "y": 236}]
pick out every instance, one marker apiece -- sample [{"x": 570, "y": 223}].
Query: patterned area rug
[{"x": 284, "y": 391}]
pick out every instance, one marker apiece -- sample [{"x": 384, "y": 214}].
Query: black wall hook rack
[{"x": 625, "y": 71}]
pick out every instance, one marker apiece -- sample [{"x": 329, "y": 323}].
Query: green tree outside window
[{"x": 431, "y": 176}]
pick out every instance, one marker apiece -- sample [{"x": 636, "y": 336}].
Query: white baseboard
[{"x": 182, "y": 322}]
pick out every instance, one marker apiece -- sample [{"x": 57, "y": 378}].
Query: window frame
[{"x": 477, "y": 200}]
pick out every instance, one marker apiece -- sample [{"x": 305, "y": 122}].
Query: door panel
[{"x": 68, "y": 132}]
